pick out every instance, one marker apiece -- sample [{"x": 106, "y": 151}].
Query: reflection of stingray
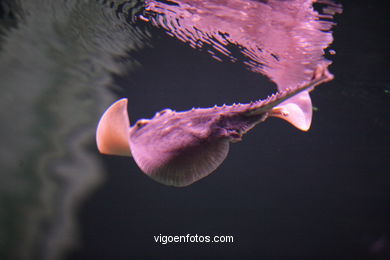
[
  {"x": 285, "y": 40},
  {"x": 55, "y": 65}
]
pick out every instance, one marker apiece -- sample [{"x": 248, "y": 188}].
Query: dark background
[{"x": 282, "y": 193}]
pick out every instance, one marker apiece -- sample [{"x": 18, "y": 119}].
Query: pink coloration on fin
[
  {"x": 297, "y": 111},
  {"x": 112, "y": 135}
]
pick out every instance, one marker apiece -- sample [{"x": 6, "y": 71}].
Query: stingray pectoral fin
[
  {"x": 112, "y": 134},
  {"x": 184, "y": 167},
  {"x": 296, "y": 110}
]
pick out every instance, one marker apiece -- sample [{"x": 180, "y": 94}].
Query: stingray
[
  {"x": 179, "y": 148},
  {"x": 281, "y": 39}
]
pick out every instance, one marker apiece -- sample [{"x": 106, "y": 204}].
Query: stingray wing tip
[{"x": 112, "y": 130}]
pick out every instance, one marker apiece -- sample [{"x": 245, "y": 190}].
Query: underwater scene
[{"x": 194, "y": 129}]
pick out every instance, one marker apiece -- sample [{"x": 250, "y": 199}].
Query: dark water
[{"x": 282, "y": 193}]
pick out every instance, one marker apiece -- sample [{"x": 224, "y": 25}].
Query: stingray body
[{"x": 179, "y": 148}]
